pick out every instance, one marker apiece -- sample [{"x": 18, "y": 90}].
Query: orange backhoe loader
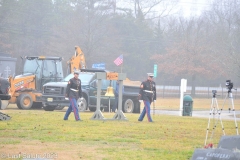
[{"x": 26, "y": 89}]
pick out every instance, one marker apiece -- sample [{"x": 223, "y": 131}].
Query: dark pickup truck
[{"x": 53, "y": 95}]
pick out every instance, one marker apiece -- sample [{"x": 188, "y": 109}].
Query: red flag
[{"x": 119, "y": 60}]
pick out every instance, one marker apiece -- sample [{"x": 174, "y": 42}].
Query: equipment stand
[
  {"x": 98, "y": 114},
  {"x": 213, "y": 111},
  {"x": 109, "y": 105},
  {"x": 119, "y": 115},
  {"x": 230, "y": 97}
]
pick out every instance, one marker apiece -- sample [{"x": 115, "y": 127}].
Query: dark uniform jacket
[
  {"x": 74, "y": 89},
  {"x": 148, "y": 92}
]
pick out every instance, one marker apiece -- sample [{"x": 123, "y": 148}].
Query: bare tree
[
  {"x": 224, "y": 20},
  {"x": 188, "y": 53}
]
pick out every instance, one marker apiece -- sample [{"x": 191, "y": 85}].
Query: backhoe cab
[{"x": 26, "y": 89}]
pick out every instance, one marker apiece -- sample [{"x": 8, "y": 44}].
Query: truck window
[
  {"x": 94, "y": 84},
  {"x": 85, "y": 78},
  {"x": 106, "y": 83}
]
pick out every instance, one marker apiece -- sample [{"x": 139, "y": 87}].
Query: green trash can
[{"x": 187, "y": 105}]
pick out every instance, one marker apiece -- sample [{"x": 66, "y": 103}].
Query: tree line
[{"x": 204, "y": 49}]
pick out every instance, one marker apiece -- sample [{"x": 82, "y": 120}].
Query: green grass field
[{"x": 37, "y": 133}]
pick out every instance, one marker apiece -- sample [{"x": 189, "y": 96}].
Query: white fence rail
[{"x": 200, "y": 92}]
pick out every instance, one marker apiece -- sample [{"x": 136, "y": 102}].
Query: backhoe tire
[
  {"x": 24, "y": 101},
  {"x": 128, "y": 106},
  {"x": 19, "y": 107},
  {"x": 49, "y": 108}
]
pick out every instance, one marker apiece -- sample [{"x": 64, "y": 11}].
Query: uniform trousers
[
  {"x": 72, "y": 107},
  {"x": 146, "y": 110}
]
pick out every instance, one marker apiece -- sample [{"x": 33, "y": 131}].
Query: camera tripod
[
  {"x": 230, "y": 97},
  {"x": 214, "y": 110}
]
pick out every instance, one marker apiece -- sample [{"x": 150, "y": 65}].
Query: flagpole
[{"x": 121, "y": 67}]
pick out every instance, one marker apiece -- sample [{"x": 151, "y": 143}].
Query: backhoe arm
[{"x": 77, "y": 61}]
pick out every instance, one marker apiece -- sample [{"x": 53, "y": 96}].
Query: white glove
[
  {"x": 140, "y": 101},
  {"x": 154, "y": 101}
]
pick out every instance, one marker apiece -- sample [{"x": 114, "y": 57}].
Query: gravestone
[
  {"x": 7, "y": 65},
  {"x": 230, "y": 142},
  {"x": 215, "y": 154},
  {"x": 228, "y": 149}
]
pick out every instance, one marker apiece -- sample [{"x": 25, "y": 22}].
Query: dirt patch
[{"x": 49, "y": 150}]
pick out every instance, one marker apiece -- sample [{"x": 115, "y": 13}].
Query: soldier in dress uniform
[
  {"x": 73, "y": 92},
  {"x": 147, "y": 94}
]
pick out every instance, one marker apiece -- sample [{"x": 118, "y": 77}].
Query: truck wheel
[
  {"x": 18, "y": 105},
  {"x": 136, "y": 107},
  {"x": 59, "y": 107},
  {"x": 82, "y": 104},
  {"x": 24, "y": 101},
  {"x": 49, "y": 108},
  {"x": 37, "y": 105},
  {"x": 92, "y": 109},
  {"x": 128, "y": 106}
]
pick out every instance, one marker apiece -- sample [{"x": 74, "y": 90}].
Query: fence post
[
  {"x": 208, "y": 92},
  {"x": 236, "y": 94},
  {"x": 179, "y": 92},
  {"x": 163, "y": 90},
  {"x": 222, "y": 92}
]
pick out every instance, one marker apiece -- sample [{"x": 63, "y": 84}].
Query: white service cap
[
  {"x": 76, "y": 72},
  {"x": 150, "y": 74}
]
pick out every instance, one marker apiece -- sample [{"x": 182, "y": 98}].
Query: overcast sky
[
  {"x": 189, "y": 8},
  {"x": 194, "y": 7}
]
